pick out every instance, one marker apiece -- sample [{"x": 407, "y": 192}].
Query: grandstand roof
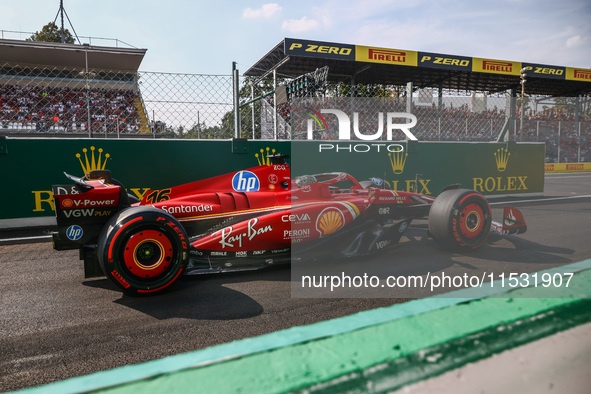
[
  {"x": 373, "y": 65},
  {"x": 35, "y": 53}
]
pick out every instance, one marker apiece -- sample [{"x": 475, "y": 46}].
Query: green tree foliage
[
  {"x": 246, "y": 113},
  {"x": 262, "y": 89},
  {"x": 569, "y": 105},
  {"x": 52, "y": 33},
  {"x": 526, "y": 102},
  {"x": 225, "y": 130}
]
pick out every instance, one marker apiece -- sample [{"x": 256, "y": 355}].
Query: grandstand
[
  {"x": 455, "y": 98},
  {"x": 89, "y": 90},
  {"x": 70, "y": 89}
]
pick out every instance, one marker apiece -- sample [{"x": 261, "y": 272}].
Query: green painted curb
[{"x": 426, "y": 363}]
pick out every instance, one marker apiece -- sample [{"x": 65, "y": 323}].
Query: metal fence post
[
  {"x": 275, "y": 104},
  {"x": 439, "y": 110},
  {"x": 236, "y": 82},
  {"x": 579, "y": 143},
  {"x": 87, "y": 91},
  {"x": 559, "y": 139},
  {"x": 252, "y": 110}
]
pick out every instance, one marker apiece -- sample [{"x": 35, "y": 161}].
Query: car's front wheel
[{"x": 460, "y": 219}]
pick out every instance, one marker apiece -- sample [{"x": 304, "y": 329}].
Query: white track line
[
  {"x": 48, "y": 237},
  {"x": 539, "y": 200},
  {"x": 562, "y": 175}
]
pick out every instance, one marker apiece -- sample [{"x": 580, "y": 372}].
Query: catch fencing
[
  {"x": 113, "y": 103},
  {"x": 451, "y": 115},
  {"x": 96, "y": 103}
]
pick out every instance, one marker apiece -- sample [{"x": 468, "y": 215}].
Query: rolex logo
[
  {"x": 501, "y": 158},
  {"x": 92, "y": 163},
  {"x": 397, "y": 160},
  {"x": 263, "y": 158}
]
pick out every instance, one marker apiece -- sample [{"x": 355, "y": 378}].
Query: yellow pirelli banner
[
  {"x": 578, "y": 74},
  {"x": 386, "y": 56},
  {"x": 568, "y": 167},
  {"x": 496, "y": 66},
  {"x": 403, "y": 57}
]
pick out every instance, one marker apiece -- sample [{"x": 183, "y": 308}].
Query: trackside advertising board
[
  {"x": 396, "y": 56},
  {"x": 427, "y": 167},
  {"x": 30, "y": 166}
]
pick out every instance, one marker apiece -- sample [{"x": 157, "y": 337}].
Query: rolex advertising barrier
[{"x": 30, "y": 166}]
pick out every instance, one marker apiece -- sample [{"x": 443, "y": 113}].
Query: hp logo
[
  {"x": 74, "y": 232},
  {"x": 245, "y": 181},
  {"x": 403, "y": 227}
]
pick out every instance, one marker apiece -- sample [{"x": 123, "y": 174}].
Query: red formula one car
[{"x": 251, "y": 219}]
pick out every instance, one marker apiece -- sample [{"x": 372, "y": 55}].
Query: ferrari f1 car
[{"x": 251, "y": 219}]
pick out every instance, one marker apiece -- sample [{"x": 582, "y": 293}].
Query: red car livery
[{"x": 251, "y": 219}]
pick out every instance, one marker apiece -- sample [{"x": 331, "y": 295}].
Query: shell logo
[{"x": 329, "y": 221}]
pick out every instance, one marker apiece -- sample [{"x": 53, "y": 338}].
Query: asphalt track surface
[{"x": 55, "y": 324}]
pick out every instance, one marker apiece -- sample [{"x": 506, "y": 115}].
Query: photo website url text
[{"x": 434, "y": 281}]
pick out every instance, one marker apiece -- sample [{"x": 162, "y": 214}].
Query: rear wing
[{"x": 83, "y": 208}]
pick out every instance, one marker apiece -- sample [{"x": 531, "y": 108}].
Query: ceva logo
[
  {"x": 245, "y": 181},
  {"x": 345, "y": 124}
]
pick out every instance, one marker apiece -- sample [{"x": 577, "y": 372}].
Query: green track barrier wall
[
  {"x": 379, "y": 350},
  {"x": 29, "y": 166},
  {"x": 427, "y": 167}
]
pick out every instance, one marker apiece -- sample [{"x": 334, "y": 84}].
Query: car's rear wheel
[
  {"x": 460, "y": 219},
  {"x": 143, "y": 250}
]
